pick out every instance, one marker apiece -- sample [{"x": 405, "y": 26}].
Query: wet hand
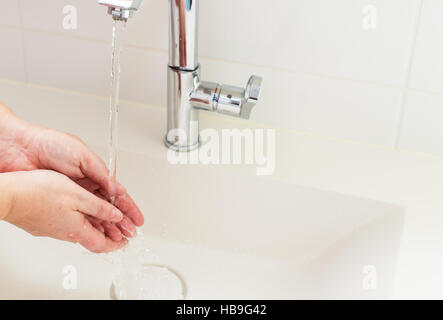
[
  {"x": 48, "y": 204},
  {"x": 25, "y": 147}
]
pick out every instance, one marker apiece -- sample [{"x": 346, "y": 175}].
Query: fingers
[
  {"x": 112, "y": 231},
  {"x": 96, "y": 223},
  {"x": 131, "y": 211},
  {"x": 127, "y": 205},
  {"x": 96, "y": 171},
  {"x": 88, "y": 184},
  {"x": 94, "y": 206},
  {"x": 95, "y": 241},
  {"x": 93, "y": 167},
  {"x": 127, "y": 227}
]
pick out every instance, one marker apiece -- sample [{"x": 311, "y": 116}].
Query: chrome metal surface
[
  {"x": 182, "y": 119},
  {"x": 121, "y": 9},
  {"x": 225, "y": 99},
  {"x": 187, "y": 94},
  {"x": 205, "y": 96},
  {"x": 252, "y": 95},
  {"x": 183, "y": 34}
]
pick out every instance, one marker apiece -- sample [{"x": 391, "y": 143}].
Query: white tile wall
[
  {"x": 84, "y": 65},
  {"x": 344, "y": 109},
  {"x": 323, "y": 72},
  {"x": 319, "y": 36},
  {"x": 47, "y": 15},
  {"x": 422, "y": 127},
  {"x": 73, "y": 64},
  {"x": 143, "y": 76},
  {"x": 9, "y": 13},
  {"x": 427, "y": 70},
  {"x": 11, "y": 54},
  {"x": 149, "y": 28}
]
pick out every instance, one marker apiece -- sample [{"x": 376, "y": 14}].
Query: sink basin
[{"x": 227, "y": 235}]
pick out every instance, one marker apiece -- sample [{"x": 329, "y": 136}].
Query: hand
[
  {"x": 48, "y": 204},
  {"x": 25, "y": 147}
]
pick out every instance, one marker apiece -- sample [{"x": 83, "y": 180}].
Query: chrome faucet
[
  {"x": 187, "y": 93},
  {"x": 121, "y": 9}
]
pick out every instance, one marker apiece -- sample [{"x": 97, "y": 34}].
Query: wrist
[{"x": 16, "y": 137}]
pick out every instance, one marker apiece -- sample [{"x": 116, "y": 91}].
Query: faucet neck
[{"x": 183, "y": 34}]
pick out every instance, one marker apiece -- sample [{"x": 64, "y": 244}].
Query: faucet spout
[{"x": 121, "y": 9}]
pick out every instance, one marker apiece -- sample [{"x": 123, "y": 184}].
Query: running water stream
[
  {"x": 117, "y": 44},
  {"x": 137, "y": 279}
]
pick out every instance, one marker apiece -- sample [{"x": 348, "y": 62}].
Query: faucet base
[{"x": 174, "y": 147}]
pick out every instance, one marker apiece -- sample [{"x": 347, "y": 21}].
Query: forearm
[{"x": 6, "y": 195}]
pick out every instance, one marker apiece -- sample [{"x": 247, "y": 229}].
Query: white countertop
[{"x": 409, "y": 179}]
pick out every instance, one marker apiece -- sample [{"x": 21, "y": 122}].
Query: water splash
[{"x": 141, "y": 275}]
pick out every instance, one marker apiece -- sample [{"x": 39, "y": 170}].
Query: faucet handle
[
  {"x": 227, "y": 100},
  {"x": 235, "y": 101},
  {"x": 252, "y": 94}
]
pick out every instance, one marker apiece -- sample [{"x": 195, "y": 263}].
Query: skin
[
  {"x": 49, "y": 204},
  {"x": 51, "y": 176}
]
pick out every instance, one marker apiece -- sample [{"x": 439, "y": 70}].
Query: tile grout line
[
  {"x": 149, "y": 106},
  {"x": 306, "y": 73},
  {"x": 217, "y": 59},
  {"x": 22, "y": 40},
  {"x": 427, "y": 92},
  {"x": 208, "y": 115},
  {"x": 402, "y": 111},
  {"x": 283, "y": 129}
]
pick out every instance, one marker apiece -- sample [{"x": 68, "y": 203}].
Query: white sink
[{"x": 228, "y": 236}]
